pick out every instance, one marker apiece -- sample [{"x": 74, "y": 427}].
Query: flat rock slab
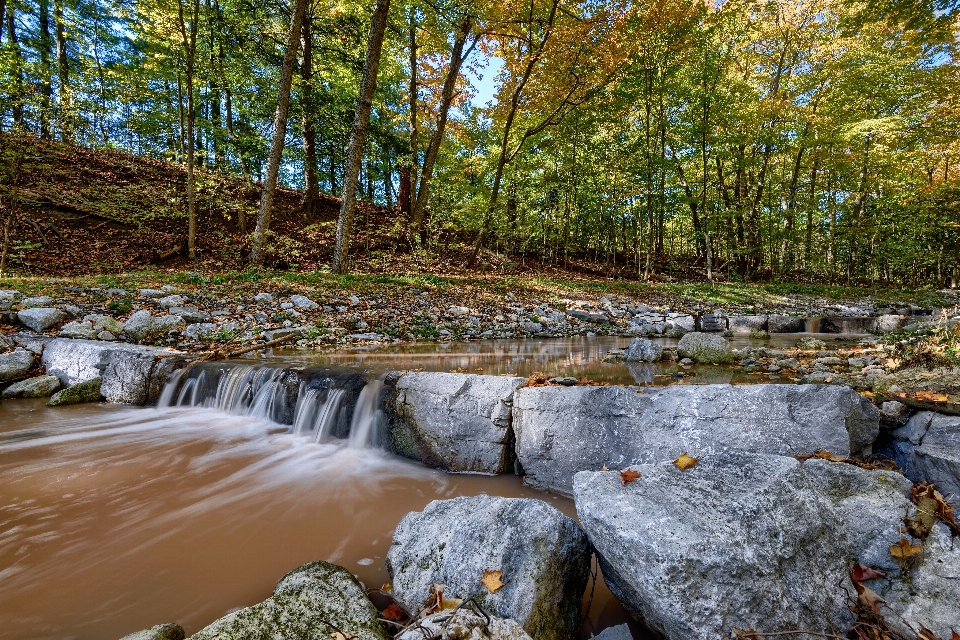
[
  {"x": 561, "y": 431},
  {"x": 36, "y": 387},
  {"x": 454, "y": 421},
  {"x": 542, "y": 554},
  {"x": 737, "y": 541},
  {"x": 15, "y": 363},
  {"x": 314, "y": 601},
  {"x": 41, "y": 319},
  {"x": 131, "y": 374}
]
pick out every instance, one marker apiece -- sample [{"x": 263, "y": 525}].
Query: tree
[{"x": 358, "y": 134}]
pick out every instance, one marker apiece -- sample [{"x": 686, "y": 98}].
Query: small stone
[
  {"x": 642, "y": 350},
  {"x": 151, "y": 293},
  {"x": 354, "y": 300},
  {"x": 107, "y": 336},
  {"x": 303, "y": 302},
  {"x": 117, "y": 292},
  {"x": 36, "y": 301},
  {"x": 286, "y": 305},
  {"x": 705, "y": 348},
  {"x": 88, "y": 391},
  {"x": 893, "y": 412},
  {"x": 41, "y": 319},
  {"x": 457, "y": 312},
  {"x": 190, "y": 314},
  {"x": 263, "y": 298},
  {"x": 810, "y": 344},
  {"x": 142, "y": 326},
  {"x": 15, "y": 364},
  {"x": 566, "y": 381},
  {"x": 81, "y": 330},
  {"x": 199, "y": 331},
  {"x": 171, "y": 301},
  {"x": 38, "y": 387},
  {"x": 73, "y": 309},
  {"x": 466, "y": 625}
]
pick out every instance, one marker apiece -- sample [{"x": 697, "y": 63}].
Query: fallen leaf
[
  {"x": 827, "y": 455},
  {"x": 387, "y": 588},
  {"x": 604, "y": 468},
  {"x": 954, "y": 635},
  {"x": 492, "y": 580},
  {"x": 903, "y": 550},
  {"x": 451, "y": 603},
  {"x": 394, "y": 613},
  {"x": 859, "y": 573},
  {"x": 629, "y": 475},
  {"x": 868, "y": 597},
  {"x": 685, "y": 462},
  {"x": 926, "y": 634},
  {"x": 929, "y": 396},
  {"x": 337, "y": 635}
]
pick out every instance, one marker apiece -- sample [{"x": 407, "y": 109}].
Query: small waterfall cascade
[{"x": 320, "y": 405}]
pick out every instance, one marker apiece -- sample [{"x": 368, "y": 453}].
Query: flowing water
[{"x": 116, "y": 518}]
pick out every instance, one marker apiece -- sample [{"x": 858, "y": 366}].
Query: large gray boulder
[
  {"x": 543, "y": 555},
  {"x": 143, "y": 326},
  {"x": 311, "y": 602},
  {"x": 458, "y": 422},
  {"x": 36, "y": 387},
  {"x": 42, "y": 318},
  {"x": 15, "y": 363},
  {"x": 131, "y": 374},
  {"x": 786, "y": 324},
  {"x": 561, "y": 430},
  {"x": 705, "y": 348},
  {"x": 737, "y": 541},
  {"x": 927, "y": 448},
  {"x": 642, "y": 350}
]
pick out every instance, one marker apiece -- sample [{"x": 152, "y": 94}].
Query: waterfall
[{"x": 319, "y": 405}]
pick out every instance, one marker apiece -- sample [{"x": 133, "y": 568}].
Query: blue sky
[{"x": 486, "y": 86}]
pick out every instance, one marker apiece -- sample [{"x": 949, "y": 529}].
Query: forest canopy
[{"x": 745, "y": 139}]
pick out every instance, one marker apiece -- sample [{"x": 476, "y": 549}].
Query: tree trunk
[
  {"x": 64, "y": 106},
  {"x": 279, "y": 133},
  {"x": 411, "y": 192},
  {"x": 358, "y": 135},
  {"x": 188, "y": 34},
  {"x": 46, "y": 68},
  {"x": 311, "y": 196},
  {"x": 457, "y": 58},
  {"x": 17, "y": 64}
]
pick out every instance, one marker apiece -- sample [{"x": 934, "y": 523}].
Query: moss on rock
[{"x": 88, "y": 391}]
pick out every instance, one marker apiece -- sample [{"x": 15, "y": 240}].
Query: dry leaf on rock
[
  {"x": 868, "y": 597},
  {"x": 339, "y": 635},
  {"x": 685, "y": 461},
  {"x": 903, "y": 550},
  {"x": 628, "y": 475},
  {"x": 859, "y": 573},
  {"x": 926, "y": 634},
  {"x": 492, "y": 580},
  {"x": 394, "y": 613}
]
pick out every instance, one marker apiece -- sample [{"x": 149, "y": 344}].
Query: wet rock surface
[
  {"x": 80, "y": 393},
  {"x": 169, "y": 631},
  {"x": 37, "y": 387},
  {"x": 458, "y": 422},
  {"x": 542, "y": 554},
  {"x": 562, "y": 431},
  {"x": 15, "y": 364},
  {"x": 311, "y": 602}
]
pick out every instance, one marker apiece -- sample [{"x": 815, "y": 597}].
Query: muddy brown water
[{"x": 113, "y": 519}]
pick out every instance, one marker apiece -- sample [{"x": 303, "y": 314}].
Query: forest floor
[{"x": 87, "y": 218}]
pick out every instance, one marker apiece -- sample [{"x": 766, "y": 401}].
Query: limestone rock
[
  {"x": 40, "y": 319},
  {"x": 79, "y": 393},
  {"x": 36, "y": 301},
  {"x": 713, "y": 322},
  {"x": 927, "y": 448},
  {"x": 642, "y": 350},
  {"x": 543, "y": 554},
  {"x": 15, "y": 363},
  {"x": 561, "y": 431},
  {"x": 886, "y": 323},
  {"x": 786, "y": 324},
  {"x": 304, "y": 605},
  {"x": 303, "y": 302},
  {"x": 84, "y": 330},
  {"x": 143, "y": 326},
  {"x": 705, "y": 348},
  {"x": 168, "y": 631},
  {"x": 36, "y": 387},
  {"x": 171, "y": 301},
  {"x": 810, "y": 344},
  {"x": 465, "y": 625},
  {"x": 744, "y": 325},
  {"x": 737, "y": 541},
  {"x": 151, "y": 293},
  {"x": 459, "y": 422},
  {"x": 263, "y": 298},
  {"x": 190, "y": 314},
  {"x": 131, "y": 374}
]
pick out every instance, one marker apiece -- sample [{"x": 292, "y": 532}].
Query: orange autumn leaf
[
  {"x": 903, "y": 550},
  {"x": 684, "y": 461},
  {"x": 859, "y": 573},
  {"x": 394, "y": 613},
  {"x": 492, "y": 580},
  {"x": 628, "y": 475}
]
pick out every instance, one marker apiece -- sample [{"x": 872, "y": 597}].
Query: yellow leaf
[
  {"x": 451, "y": 603},
  {"x": 685, "y": 461},
  {"x": 904, "y": 550},
  {"x": 604, "y": 468},
  {"x": 492, "y": 580},
  {"x": 337, "y": 635}
]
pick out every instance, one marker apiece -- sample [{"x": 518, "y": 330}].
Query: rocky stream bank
[{"x": 818, "y": 509}]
